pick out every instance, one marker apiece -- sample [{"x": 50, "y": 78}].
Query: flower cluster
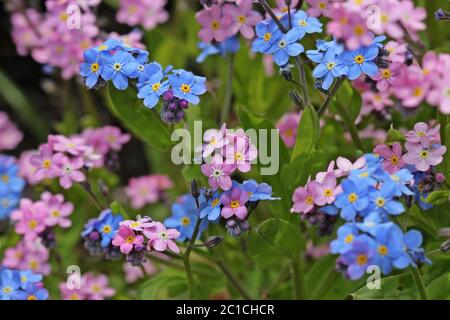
[
  {"x": 25, "y": 255},
  {"x": 99, "y": 232},
  {"x": 147, "y": 189},
  {"x": 148, "y": 13},
  {"x": 113, "y": 60},
  {"x": 21, "y": 285},
  {"x": 282, "y": 44},
  {"x": 10, "y": 136},
  {"x": 137, "y": 237},
  {"x": 37, "y": 219},
  {"x": 11, "y": 186},
  {"x": 68, "y": 158},
  {"x": 86, "y": 287}
]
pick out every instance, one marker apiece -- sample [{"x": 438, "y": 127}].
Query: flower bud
[
  {"x": 213, "y": 241},
  {"x": 195, "y": 189}
]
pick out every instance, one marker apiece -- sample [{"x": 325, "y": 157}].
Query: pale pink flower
[
  {"x": 393, "y": 160},
  {"x": 423, "y": 155},
  {"x": 26, "y": 169},
  {"x": 423, "y": 133},
  {"x": 96, "y": 287},
  {"x": 218, "y": 173},
  {"x": 69, "y": 171},
  {"x": 126, "y": 239},
  {"x": 326, "y": 191},
  {"x": 386, "y": 77},
  {"x": 215, "y": 140},
  {"x": 139, "y": 224},
  {"x": 287, "y": 126},
  {"x": 133, "y": 274},
  {"x": 319, "y": 8},
  {"x": 58, "y": 210},
  {"x": 30, "y": 219},
  {"x": 243, "y": 18},
  {"x": 10, "y": 136},
  {"x": 397, "y": 51},
  {"x": 344, "y": 166},
  {"x": 303, "y": 198},
  {"x": 215, "y": 25},
  {"x": 234, "y": 204},
  {"x": 32, "y": 255},
  {"x": 46, "y": 163},
  {"x": 161, "y": 238},
  {"x": 147, "y": 189}
]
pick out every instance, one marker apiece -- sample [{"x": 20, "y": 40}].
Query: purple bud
[{"x": 440, "y": 178}]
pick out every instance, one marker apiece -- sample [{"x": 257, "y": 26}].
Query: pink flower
[
  {"x": 422, "y": 133},
  {"x": 234, "y": 204},
  {"x": 345, "y": 166},
  {"x": 69, "y": 172},
  {"x": 132, "y": 39},
  {"x": 411, "y": 87},
  {"x": 240, "y": 151},
  {"x": 303, "y": 198},
  {"x": 26, "y": 169},
  {"x": 319, "y": 8},
  {"x": 316, "y": 252},
  {"x": 218, "y": 173},
  {"x": 214, "y": 140},
  {"x": 288, "y": 128},
  {"x": 411, "y": 17},
  {"x": 386, "y": 77},
  {"x": 25, "y": 255},
  {"x": 397, "y": 51},
  {"x": 126, "y": 239},
  {"x": 423, "y": 155},
  {"x": 326, "y": 191},
  {"x": 215, "y": 25},
  {"x": 138, "y": 225},
  {"x": 10, "y": 136},
  {"x": 161, "y": 238},
  {"x": 377, "y": 101},
  {"x": 96, "y": 287},
  {"x": 148, "y": 13},
  {"x": 57, "y": 209},
  {"x": 439, "y": 95},
  {"x": 105, "y": 139},
  {"x": 392, "y": 157},
  {"x": 73, "y": 146},
  {"x": 46, "y": 163},
  {"x": 147, "y": 189},
  {"x": 243, "y": 18},
  {"x": 133, "y": 274},
  {"x": 30, "y": 219}
]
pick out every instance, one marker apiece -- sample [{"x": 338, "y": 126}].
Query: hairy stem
[
  {"x": 415, "y": 272},
  {"x": 330, "y": 96},
  {"x": 302, "y": 78},
  {"x": 298, "y": 281},
  {"x": 187, "y": 261}
]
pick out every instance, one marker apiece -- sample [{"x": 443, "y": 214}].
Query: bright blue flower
[
  {"x": 8, "y": 203},
  {"x": 361, "y": 61},
  {"x": 323, "y": 48},
  {"x": 346, "y": 234},
  {"x": 364, "y": 176},
  {"x": 9, "y": 175},
  {"x": 141, "y": 63},
  {"x": 184, "y": 217},
  {"x": 118, "y": 67},
  {"x": 9, "y": 284},
  {"x": 371, "y": 223},
  {"x": 412, "y": 251},
  {"x": 331, "y": 67},
  {"x": 149, "y": 70},
  {"x": 211, "y": 208},
  {"x": 267, "y": 34},
  {"x": 153, "y": 89},
  {"x": 305, "y": 24},
  {"x": 329, "y": 210},
  {"x": 32, "y": 292},
  {"x": 27, "y": 277},
  {"x": 91, "y": 67},
  {"x": 419, "y": 190},
  {"x": 108, "y": 227},
  {"x": 389, "y": 239},
  {"x": 381, "y": 200},
  {"x": 257, "y": 191},
  {"x": 287, "y": 46},
  {"x": 352, "y": 200},
  {"x": 401, "y": 179},
  {"x": 185, "y": 85},
  {"x": 229, "y": 45},
  {"x": 359, "y": 257},
  {"x": 377, "y": 41},
  {"x": 108, "y": 45}
]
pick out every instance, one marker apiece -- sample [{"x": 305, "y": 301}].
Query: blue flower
[
  {"x": 108, "y": 45},
  {"x": 267, "y": 34},
  {"x": 184, "y": 217},
  {"x": 364, "y": 176},
  {"x": 361, "y": 61},
  {"x": 229, "y": 45},
  {"x": 8, "y": 202},
  {"x": 118, "y": 67},
  {"x": 108, "y": 226},
  {"x": 211, "y": 208},
  {"x": 32, "y": 292},
  {"x": 9, "y": 178},
  {"x": 352, "y": 200},
  {"x": 27, "y": 277},
  {"x": 305, "y": 24},
  {"x": 92, "y": 67},
  {"x": 141, "y": 63},
  {"x": 323, "y": 48},
  {"x": 152, "y": 89},
  {"x": 359, "y": 257},
  {"x": 345, "y": 237},
  {"x": 371, "y": 223},
  {"x": 389, "y": 239},
  {"x": 187, "y": 86},
  {"x": 257, "y": 192},
  {"x": 9, "y": 284},
  {"x": 412, "y": 251},
  {"x": 331, "y": 67},
  {"x": 286, "y": 46},
  {"x": 382, "y": 200},
  {"x": 401, "y": 179}
]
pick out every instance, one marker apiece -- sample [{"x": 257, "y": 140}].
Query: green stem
[
  {"x": 233, "y": 280},
  {"x": 330, "y": 96},
  {"x": 187, "y": 261},
  {"x": 405, "y": 223},
  {"x": 415, "y": 272},
  {"x": 229, "y": 90},
  {"x": 297, "y": 282},
  {"x": 302, "y": 78}
]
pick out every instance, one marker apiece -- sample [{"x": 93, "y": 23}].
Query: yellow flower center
[
  {"x": 185, "y": 88},
  {"x": 302, "y": 23},
  {"x": 117, "y": 66},
  {"x": 102, "y": 47},
  {"x": 33, "y": 264},
  {"x": 63, "y": 16},
  {"x": 349, "y": 238},
  {"x": 5, "y": 178},
  {"x": 32, "y": 297},
  {"x": 417, "y": 92},
  {"x": 238, "y": 156},
  {"x": 32, "y": 224},
  {"x": 328, "y": 192},
  {"x": 394, "y": 160},
  {"x": 74, "y": 296},
  {"x": 267, "y": 36},
  {"x": 107, "y": 229},
  {"x": 96, "y": 288},
  {"x": 94, "y": 67},
  {"x": 331, "y": 65},
  {"x": 380, "y": 202},
  {"x": 135, "y": 224},
  {"x": 352, "y": 197},
  {"x": 309, "y": 200},
  {"x": 424, "y": 154},
  {"x": 359, "y": 30},
  {"x": 215, "y": 202},
  {"x": 56, "y": 213},
  {"x": 234, "y": 204},
  {"x": 386, "y": 73},
  {"x": 215, "y": 25},
  {"x": 156, "y": 86},
  {"x": 129, "y": 239},
  {"x": 185, "y": 221},
  {"x": 383, "y": 250},
  {"x": 241, "y": 19},
  {"x": 361, "y": 259},
  {"x": 322, "y": 5},
  {"x": 359, "y": 59}
]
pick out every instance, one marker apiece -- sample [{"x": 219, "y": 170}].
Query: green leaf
[
  {"x": 143, "y": 122},
  {"x": 438, "y": 197},
  {"x": 308, "y": 133},
  {"x": 168, "y": 283},
  {"x": 273, "y": 239},
  {"x": 394, "y": 135},
  {"x": 351, "y": 99}
]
